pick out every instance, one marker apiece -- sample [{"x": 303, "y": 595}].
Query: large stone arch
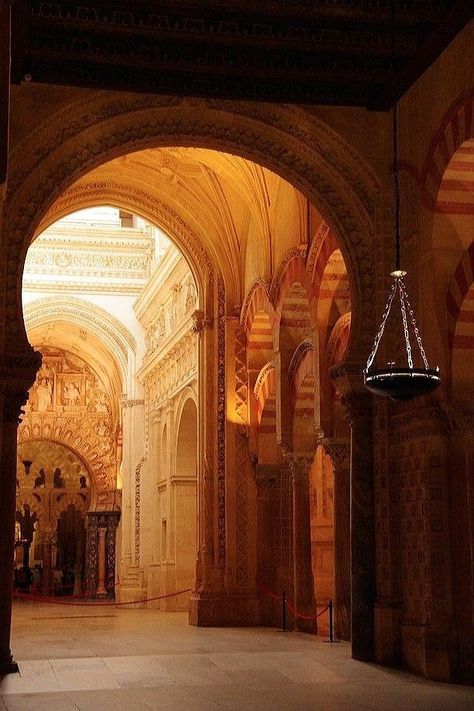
[
  {"x": 109, "y": 330},
  {"x": 86, "y": 134},
  {"x": 149, "y": 208}
]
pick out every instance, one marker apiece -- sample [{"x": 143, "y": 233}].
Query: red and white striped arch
[
  {"x": 338, "y": 340},
  {"x": 319, "y": 255},
  {"x": 447, "y": 177},
  {"x": 290, "y": 289},
  {"x": 460, "y": 304},
  {"x": 303, "y": 380},
  {"x": 257, "y": 318},
  {"x": 265, "y": 392}
]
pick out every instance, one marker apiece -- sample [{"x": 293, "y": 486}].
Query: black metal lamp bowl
[
  {"x": 407, "y": 382},
  {"x": 402, "y": 384}
]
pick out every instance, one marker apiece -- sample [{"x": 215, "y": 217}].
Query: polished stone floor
[{"x": 116, "y": 659}]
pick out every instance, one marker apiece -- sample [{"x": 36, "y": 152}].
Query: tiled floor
[{"x": 102, "y": 659}]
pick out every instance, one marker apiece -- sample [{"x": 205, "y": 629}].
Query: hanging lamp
[{"x": 399, "y": 382}]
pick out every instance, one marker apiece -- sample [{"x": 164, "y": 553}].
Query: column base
[
  {"x": 387, "y": 633},
  {"x": 223, "y": 610},
  {"x": 427, "y": 652},
  {"x": 8, "y": 666}
]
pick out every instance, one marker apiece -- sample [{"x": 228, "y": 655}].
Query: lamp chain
[
  {"x": 415, "y": 325},
  {"x": 405, "y": 322},
  {"x": 379, "y": 335}
]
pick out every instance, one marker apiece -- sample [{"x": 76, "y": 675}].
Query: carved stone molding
[
  {"x": 77, "y": 139},
  {"x": 84, "y": 312},
  {"x": 132, "y": 403}
]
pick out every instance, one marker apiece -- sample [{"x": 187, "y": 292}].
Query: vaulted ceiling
[{"x": 304, "y": 51}]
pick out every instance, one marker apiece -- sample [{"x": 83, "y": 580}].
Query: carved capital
[
  {"x": 12, "y": 406},
  {"x": 340, "y": 453},
  {"x": 267, "y": 476},
  {"x": 299, "y": 465},
  {"x": 18, "y": 372},
  {"x": 357, "y": 406},
  {"x": 200, "y": 321}
]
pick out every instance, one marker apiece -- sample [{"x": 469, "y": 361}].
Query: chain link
[
  {"x": 415, "y": 325},
  {"x": 398, "y": 284},
  {"x": 379, "y": 335},
  {"x": 406, "y": 332}
]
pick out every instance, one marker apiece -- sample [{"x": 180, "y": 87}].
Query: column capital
[
  {"x": 200, "y": 321},
  {"x": 18, "y": 372},
  {"x": 357, "y": 405},
  {"x": 340, "y": 453},
  {"x": 299, "y": 465},
  {"x": 267, "y": 476}
]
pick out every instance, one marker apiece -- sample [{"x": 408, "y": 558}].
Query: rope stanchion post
[
  {"x": 283, "y": 611},
  {"x": 331, "y": 633},
  {"x": 331, "y": 624}
]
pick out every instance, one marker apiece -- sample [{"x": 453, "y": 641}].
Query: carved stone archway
[{"x": 84, "y": 135}]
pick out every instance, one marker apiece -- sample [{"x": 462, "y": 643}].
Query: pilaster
[
  {"x": 340, "y": 453},
  {"x": 358, "y": 404},
  {"x": 303, "y": 583}
]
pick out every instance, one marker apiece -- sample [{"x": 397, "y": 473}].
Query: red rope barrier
[
  {"x": 305, "y": 617},
  {"x": 268, "y": 592},
  {"x": 56, "y": 601}
]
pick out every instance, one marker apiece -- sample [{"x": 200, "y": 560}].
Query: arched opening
[
  {"x": 183, "y": 493},
  {"x": 53, "y": 498},
  {"x": 104, "y": 294},
  {"x": 454, "y": 266},
  {"x": 217, "y": 229}
]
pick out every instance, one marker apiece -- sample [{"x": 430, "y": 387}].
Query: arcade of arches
[{"x": 198, "y": 418}]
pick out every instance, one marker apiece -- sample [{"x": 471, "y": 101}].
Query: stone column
[
  {"x": 340, "y": 455},
  {"x": 267, "y": 478},
  {"x": 359, "y": 410},
  {"x": 101, "y": 563},
  {"x": 14, "y": 384},
  {"x": 303, "y": 583},
  {"x": 11, "y": 412},
  {"x": 100, "y": 555},
  {"x": 461, "y": 523},
  {"x": 209, "y": 575}
]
